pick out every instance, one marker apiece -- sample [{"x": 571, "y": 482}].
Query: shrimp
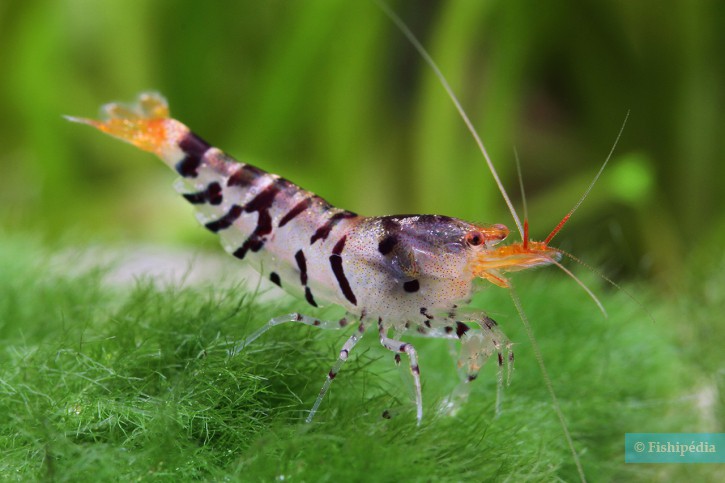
[
  {"x": 404, "y": 273},
  {"x": 401, "y": 274}
]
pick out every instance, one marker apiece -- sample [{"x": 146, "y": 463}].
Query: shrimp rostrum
[{"x": 408, "y": 274}]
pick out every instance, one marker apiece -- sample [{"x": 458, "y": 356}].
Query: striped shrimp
[
  {"x": 401, "y": 274},
  {"x": 405, "y": 274}
]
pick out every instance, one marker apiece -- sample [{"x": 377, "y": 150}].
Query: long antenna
[
  {"x": 429, "y": 60},
  {"x": 523, "y": 230},
  {"x": 611, "y": 282},
  {"x": 523, "y": 199},
  {"x": 582, "y": 285},
  {"x": 547, "y": 380},
  {"x": 561, "y": 224}
]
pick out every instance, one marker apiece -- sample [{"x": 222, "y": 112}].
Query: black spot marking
[
  {"x": 188, "y": 167},
  {"x": 323, "y": 231},
  {"x": 397, "y": 359},
  {"x": 308, "y": 296},
  {"x": 302, "y": 265},
  {"x": 386, "y": 414},
  {"x": 391, "y": 223},
  {"x": 461, "y": 329},
  {"x": 194, "y": 148},
  {"x": 472, "y": 377},
  {"x": 448, "y": 329},
  {"x": 427, "y": 323},
  {"x": 296, "y": 210},
  {"x": 225, "y": 221},
  {"x": 274, "y": 277},
  {"x": 421, "y": 329},
  {"x": 212, "y": 195},
  {"x": 316, "y": 323},
  {"x": 387, "y": 244},
  {"x": 489, "y": 322},
  {"x": 500, "y": 359},
  {"x": 424, "y": 313},
  {"x": 336, "y": 264},
  {"x": 342, "y": 322},
  {"x": 411, "y": 286},
  {"x": 402, "y": 347},
  {"x": 331, "y": 374},
  {"x": 298, "y": 316},
  {"x": 415, "y": 370},
  {"x": 245, "y": 176}
]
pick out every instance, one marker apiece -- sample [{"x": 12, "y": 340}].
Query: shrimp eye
[{"x": 474, "y": 238}]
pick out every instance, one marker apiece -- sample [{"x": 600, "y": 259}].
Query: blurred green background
[{"x": 330, "y": 94}]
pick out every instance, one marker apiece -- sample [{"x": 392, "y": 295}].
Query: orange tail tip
[{"x": 143, "y": 123}]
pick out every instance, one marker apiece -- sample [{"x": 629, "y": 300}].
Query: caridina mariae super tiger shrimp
[{"x": 398, "y": 275}]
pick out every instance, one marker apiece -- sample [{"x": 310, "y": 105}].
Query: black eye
[{"x": 474, "y": 238}]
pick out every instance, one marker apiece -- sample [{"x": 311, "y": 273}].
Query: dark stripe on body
[
  {"x": 261, "y": 204},
  {"x": 323, "y": 231},
  {"x": 308, "y": 296},
  {"x": 296, "y": 210},
  {"x": 302, "y": 265},
  {"x": 194, "y": 148},
  {"x": 212, "y": 195},
  {"x": 225, "y": 221},
  {"x": 336, "y": 264},
  {"x": 245, "y": 176}
]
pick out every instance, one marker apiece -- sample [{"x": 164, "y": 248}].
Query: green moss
[{"x": 121, "y": 384}]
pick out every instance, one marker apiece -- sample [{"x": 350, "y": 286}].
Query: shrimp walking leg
[
  {"x": 403, "y": 347},
  {"x": 293, "y": 317},
  {"x": 344, "y": 353},
  {"x": 477, "y": 346}
]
